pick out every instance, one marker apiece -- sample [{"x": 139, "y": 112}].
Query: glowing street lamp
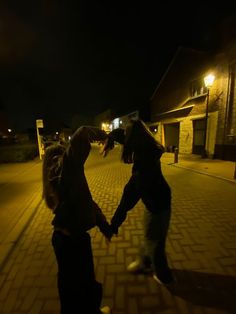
[{"x": 208, "y": 80}]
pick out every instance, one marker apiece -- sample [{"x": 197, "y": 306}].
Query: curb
[{"x": 201, "y": 172}]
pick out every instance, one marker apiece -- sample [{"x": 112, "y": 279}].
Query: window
[
  {"x": 154, "y": 128},
  {"x": 197, "y": 88}
]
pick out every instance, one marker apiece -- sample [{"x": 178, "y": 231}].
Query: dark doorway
[
  {"x": 171, "y": 136},
  {"x": 198, "y": 136}
]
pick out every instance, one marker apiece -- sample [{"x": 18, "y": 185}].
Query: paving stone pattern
[{"x": 201, "y": 249}]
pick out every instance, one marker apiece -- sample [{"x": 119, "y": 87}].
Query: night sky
[{"x": 60, "y": 58}]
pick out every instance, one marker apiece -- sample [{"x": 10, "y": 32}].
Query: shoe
[
  {"x": 138, "y": 267},
  {"x": 106, "y": 310},
  {"x": 165, "y": 278}
]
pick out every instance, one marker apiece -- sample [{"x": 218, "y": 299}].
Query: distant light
[
  {"x": 121, "y": 122},
  {"x": 155, "y": 130},
  {"x": 69, "y": 137},
  {"x": 9, "y": 130},
  {"x": 57, "y": 133},
  {"x": 209, "y": 80},
  {"x": 116, "y": 123}
]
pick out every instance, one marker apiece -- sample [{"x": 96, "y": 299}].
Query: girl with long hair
[
  {"x": 66, "y": 193},
  {"x": 148, "y": 184}
]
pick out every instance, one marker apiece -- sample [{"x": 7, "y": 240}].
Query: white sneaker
[
  {"x": 137, "y": 266},
  {"x": 106, "y": 310}
]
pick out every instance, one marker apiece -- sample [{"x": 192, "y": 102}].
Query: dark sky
[{"x": 60, "y": 58}]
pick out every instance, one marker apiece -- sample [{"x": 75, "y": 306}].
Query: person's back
[
  {"x": 146, "y": 160},
  {"x": 77, "y": 210},
  {"x": 66, "y": 192}
]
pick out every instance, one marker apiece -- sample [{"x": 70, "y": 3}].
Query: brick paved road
[
  {"x": 19, "y": 184},
  {"x": 201, "y": 248}
]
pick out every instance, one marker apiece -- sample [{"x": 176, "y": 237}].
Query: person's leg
[
  {"x": 155, "y": 233},
  {"x": 76, "y": 279},
  {"x": 143, "y": 263}
]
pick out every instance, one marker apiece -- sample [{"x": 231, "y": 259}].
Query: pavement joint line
[{"x": 7, "y": 247}]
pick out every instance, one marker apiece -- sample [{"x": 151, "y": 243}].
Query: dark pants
[
  {"x": 155, "y": 233},
  {"x": 79, "y": 292}
]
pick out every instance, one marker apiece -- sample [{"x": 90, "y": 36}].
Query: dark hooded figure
[
  {"x": 148, "y": 184},
  {"x": 66, "y": 192}
]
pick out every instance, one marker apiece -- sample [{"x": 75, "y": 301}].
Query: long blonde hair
[{"x": 51, "y": 174}]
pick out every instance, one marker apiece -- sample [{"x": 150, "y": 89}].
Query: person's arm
[
  {"x": 102, "y": 223},
  {"x": 159, "y": 150},
  {"x": 117, "y": 135},
  {"x": 95, "y": 134},
  {"x": 80, "y": 142},
  {"x": 130, "y": 197}
]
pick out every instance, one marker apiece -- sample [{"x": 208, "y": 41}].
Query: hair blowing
[{"x": 52, "y": 167}]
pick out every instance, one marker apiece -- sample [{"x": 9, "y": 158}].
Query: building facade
[{"x": 192, "y": 117}]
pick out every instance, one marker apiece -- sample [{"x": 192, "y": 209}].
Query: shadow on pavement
[{"x": 204, "y": 289}]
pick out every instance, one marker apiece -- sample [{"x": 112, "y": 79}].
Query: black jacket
[
  {"x": 146, "y": 183},
  {"x": 77, "y": 211}
]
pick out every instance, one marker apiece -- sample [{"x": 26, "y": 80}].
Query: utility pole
[{"x": 39, "y": 125}]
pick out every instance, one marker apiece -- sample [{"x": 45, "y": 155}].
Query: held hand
[
  {"x": 108, "y": 234},
  {"x": 104, "y": 151},
  {"x": 108, "y": 240},
  {"x": 108, "y": 145}
]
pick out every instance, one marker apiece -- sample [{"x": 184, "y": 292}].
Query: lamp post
[{"x": 208, "y": 80}]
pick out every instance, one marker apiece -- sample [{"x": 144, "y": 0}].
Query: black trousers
[{"x": 79, "y": 292}]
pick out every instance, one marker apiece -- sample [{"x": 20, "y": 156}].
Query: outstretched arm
[
  {"x": 117, "y": 135},
  {"x": 80, "y": 142},
  {"x": 102, "y": 223},
  {"x": 95, "y": 134},
  {"x": 131, "y": 196}
]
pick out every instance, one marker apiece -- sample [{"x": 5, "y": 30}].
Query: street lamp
[{"x": 208, "y": 80}]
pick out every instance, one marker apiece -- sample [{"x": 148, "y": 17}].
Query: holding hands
[{"x": 107, "y": 146}]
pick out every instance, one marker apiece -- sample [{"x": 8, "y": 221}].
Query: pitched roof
[{"x": 173, "y": 89}]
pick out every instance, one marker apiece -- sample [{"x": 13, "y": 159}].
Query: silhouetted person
[
  {"x": 66, "y": 192},
  {"x": 148, "y": 184}
]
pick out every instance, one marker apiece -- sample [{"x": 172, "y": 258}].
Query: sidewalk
[
  {"x": 213, "y": 167},
  {"x": 201, "y": 246}
]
